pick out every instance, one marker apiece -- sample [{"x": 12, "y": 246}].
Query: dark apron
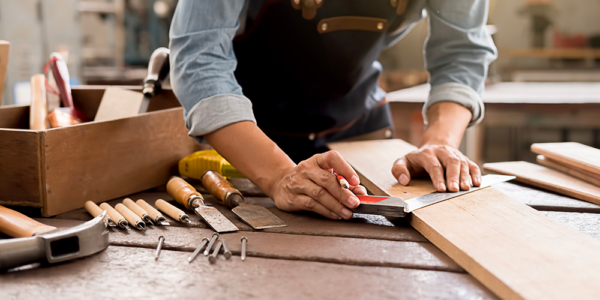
[{"x": 310, "y": 87}]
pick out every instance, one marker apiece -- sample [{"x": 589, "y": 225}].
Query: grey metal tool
[
  {"x": 36, "y": 242},
  {"x": 213, "y": 257},
  {"x": 244, "y": 242},
  {"x": 161, "y": 241},
  {"x": 215, "y": 236},
  {"x": 226, "y": 251},
  {"x": 398, "y": 208},
  {"x": 158, "y": 69},
  {"x": 198, "y": 250}
]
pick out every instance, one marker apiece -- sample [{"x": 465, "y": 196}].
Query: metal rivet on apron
[
  {"x": 388, "y": 133},
  {"x": 311, "y": 136},
  {"x": 379, "y": 26},
  {"x": 324, "y": 27}
]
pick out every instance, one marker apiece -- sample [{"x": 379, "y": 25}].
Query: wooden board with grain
[
  {"x": 512, "y": 249},
  {"x": 546, "y": 178},
  {"x": 572, "y": 154},
  {"x": 575, "y": 172}
]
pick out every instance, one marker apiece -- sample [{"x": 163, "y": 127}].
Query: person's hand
[
  {"x": 437, "y": 161},
  {"x": 311, "y": 186}
]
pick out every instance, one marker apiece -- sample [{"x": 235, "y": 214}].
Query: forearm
[
  {"x": 247, "y": 148},
  {"x": 447, "y": 124}
]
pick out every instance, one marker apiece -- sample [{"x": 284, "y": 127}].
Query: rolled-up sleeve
[
  {"x": 202, "y": 65},
  {"x": 458, "y": 52}
]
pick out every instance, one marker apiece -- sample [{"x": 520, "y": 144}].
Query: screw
[
  {"x": 215, "y": 236},
  {"x": 244, "y": 241},
  {"x": 226, "y": 251},
  {"x": 161, "y": 240},
  {"x": 198, "y": 249},
  {"x": 213, "y": 257}
]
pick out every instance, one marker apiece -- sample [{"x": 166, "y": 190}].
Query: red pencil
[{"x": 343, "y": 182}]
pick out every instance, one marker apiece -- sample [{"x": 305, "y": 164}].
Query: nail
[
  {"x": 478, "y": 180},
  {"x": 335, "y": 216},
  {"x": 454, "y": 186},
  {"x": 244, "y": 242},
  {"x": 403, "y": 179},
  {"x": 346, "y": 213},
  {"x": 215, "y": 236},
  {"x": 466, "y": 183},
  {"x": 354, "y": 180},
  {"x": 226, "y": 251},
  {"x": 161, "y": 240},
  {"x": 441, "y": 186},
  {"x": 352, "y": 201},
  {"x": 213, "y": 257},
  {"x": 198, "y": 249}
]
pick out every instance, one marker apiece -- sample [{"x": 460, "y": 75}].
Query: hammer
[{"x": 36, "y": 242}]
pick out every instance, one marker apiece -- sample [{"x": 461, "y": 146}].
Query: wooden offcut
[
  {"x": 584, "y": 175},
  {"x": 571, "y": 154},
  {"x": 512, "y": 249}
]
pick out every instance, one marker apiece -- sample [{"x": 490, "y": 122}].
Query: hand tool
[
  {"x": 172, "y": 211},
  {"x": 36, "y": 242},
  {"x": 244, "y": 242},
  {"x": 226, "y": 251},
  {"x": 214, "y": 237},
  {"x": 38, "y": 109},
  {"x": 161, "y": 240},
  {"x": 69, "y": 114},
  {"x": 131, "y": 217},
  {"x": 115, "y": 215},
  {"x": 397, "y": 208},
  {"x": 118, "y": 103},
  {"x": 213, "y": 257},
  {"x": 198, "y": 249},
  {"x": 256, "y": 216},
  {"x": 195, "y": 164},
  {"x": 343, "y": 182},
  {"x": 95, "y": 211},
  {"x": 158, "y": 69},
  {"x": 156, "y": 216},
  {"x": 140, "y": 212},
  {"x": 186, "y": 195}
]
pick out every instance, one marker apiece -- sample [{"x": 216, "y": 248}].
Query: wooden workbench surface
[{"x": 368, "y": 257}]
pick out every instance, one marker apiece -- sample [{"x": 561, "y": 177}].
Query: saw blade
[
  {"x": 215, "y": 219},
  {"x": 435, "y": 197},
  {"x": 258, "y": 217}
]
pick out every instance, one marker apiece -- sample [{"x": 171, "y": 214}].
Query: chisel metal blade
[
  {"x": 258, "y": 217},
  {"x": 215, "y": 219}
]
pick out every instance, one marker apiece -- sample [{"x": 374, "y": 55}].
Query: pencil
[{"x": 343, "y": 182}]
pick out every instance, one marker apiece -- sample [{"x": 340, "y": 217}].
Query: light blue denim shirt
[{"x": 457, "y": 54}]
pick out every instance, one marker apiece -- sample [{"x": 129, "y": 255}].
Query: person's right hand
[{"x": 311, "y": 186}]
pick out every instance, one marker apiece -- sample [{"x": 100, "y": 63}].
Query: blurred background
[{"x": 109, "y": 42}]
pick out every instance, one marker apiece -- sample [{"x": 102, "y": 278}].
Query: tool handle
[
  {"x": 130, "y": 216},
  {"x": 134, "y": 207},
  {"x": 158, "y": 69},
  {"x": 21, "y": 251},
  {"x": 222, "y": 189},
  {"x": 152, "y": 212},
  {"x": 16, "y": 224},
  {"x": 169, "y": 209},
  {"x": 181, "y": 191},
  {"x": 115, "y": 215},
  {"x": 92, "y": 208},
  {"x": 38, "y": 109}
]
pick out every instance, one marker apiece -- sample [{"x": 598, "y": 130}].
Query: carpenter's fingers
[
  {"x": 465, "y": 176},
  {"x": 331, "y": 184},
  {"x": 400, "y": 170},
  {"x": 358, "y": 190},
  {"x": 451, "y": 162},
  {"x": 433, "y": 166},
  {"x": 308, "y": 203},
  {"x": 475, "y": 173},
  {"x": 334, "y": 160},
  {"x": 321, "y": 195}
]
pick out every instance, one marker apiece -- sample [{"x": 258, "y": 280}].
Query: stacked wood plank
[{"x": 512, "y": 249}]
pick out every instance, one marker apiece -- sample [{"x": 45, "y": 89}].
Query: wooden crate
[{"x": 59, "y": 169}]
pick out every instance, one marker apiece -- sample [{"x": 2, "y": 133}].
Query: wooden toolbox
[{"x": 59, "y": 169}]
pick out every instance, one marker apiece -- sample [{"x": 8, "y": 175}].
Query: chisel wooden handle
[
  {"x": 115, "y": 215},
  {"x": 152, "y": 212},
  {"x": 130, "y": 216},
  {"x": 16, "y": 224},
  {"x": 182, "y": 191},
  {"x": 221, "y": 189},
  {"x": 38, "y": 109},
  {"x": 172, "y": 211},
  {"x": 135, "y": 208}
]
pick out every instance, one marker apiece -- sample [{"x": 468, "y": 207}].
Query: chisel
[
  {"x": 140, "y": 212},
  {"x": 115, "y": 215},
  {"x": 131, "y": 217},
  {"x": 158, "y": 69},
  {"x": 172, "y": 211},
  {"x": 156, "y": 216},
  {"x": 186, "y": 195},
  {"x": 95, "y": 211},
  {"x": 257, "y": 217}
]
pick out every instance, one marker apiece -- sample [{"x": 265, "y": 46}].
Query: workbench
[{"x": 368, "y": 257}]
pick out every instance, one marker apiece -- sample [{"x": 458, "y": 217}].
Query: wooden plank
[
  {"x": 132, "y": 273},
  {"x": 20, "y": 174},
  {"x": 512, "y": 249},
  {"x": 572, "y": 154},
  {"x": 573, "y": 171},
  {"x": 105, "y": 160},
  {"x": 118, "y": 103},
  {"x": 4, "y": 51},
  {"x": 547, "y": 178}
]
